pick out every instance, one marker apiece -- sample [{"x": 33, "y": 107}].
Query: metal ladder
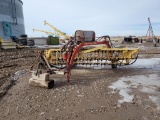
[{"x": 14, "y": 11}]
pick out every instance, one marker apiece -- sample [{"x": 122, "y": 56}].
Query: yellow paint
[
  {"x": 113, "y": 55},
  {"x": 1, "y": 40}
]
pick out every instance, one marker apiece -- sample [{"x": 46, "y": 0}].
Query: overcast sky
[{"x": 105, "y": 17}]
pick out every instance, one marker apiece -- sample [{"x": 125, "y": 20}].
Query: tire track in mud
[{"x": 13, "y": 63}]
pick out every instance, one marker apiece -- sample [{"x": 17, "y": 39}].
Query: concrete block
[{"x": 41, "y": 80}]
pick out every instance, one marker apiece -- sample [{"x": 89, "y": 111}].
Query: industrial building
[{"x": 11, "y": 18}]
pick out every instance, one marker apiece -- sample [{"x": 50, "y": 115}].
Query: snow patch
[
  {"x": 19, "y": 74},
  {"x": 149, "y": 84}
]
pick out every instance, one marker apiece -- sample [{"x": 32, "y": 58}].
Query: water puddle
[{"x": 148, "y": 84}]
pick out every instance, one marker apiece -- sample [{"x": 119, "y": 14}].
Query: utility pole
[{"x": 150, "y": 35}]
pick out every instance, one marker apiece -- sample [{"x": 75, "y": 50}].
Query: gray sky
[{"x": 105, "y": 17}]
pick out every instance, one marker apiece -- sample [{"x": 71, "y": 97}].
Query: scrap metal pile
[{"x": 82, "y": 49}]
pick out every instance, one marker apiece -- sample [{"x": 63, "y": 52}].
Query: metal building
[{"x": 11, "y": 18}]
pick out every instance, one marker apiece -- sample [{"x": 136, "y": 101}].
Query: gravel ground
[{"x": 88, "y": 95}]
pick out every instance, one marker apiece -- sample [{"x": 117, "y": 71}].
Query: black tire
[
  {"x": 23, "y": 36},
  {"x": 114, "y": 66},
  {"x": 23, "y": 41},
  {"x": 30, "y": 42}
]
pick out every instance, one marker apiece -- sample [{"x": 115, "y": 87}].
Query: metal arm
[
  {"x": 57, "y": 30},
  {"x": 49, "y": 33}
]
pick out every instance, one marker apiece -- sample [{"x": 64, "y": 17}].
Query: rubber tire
[
  {"x": 23, "y": 36},
  {"x": 30, "y": 42},
  {"x": 114, "y": 66},
  {"x": 23, "y": 41}
]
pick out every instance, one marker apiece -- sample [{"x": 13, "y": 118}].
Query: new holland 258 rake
[{"x": 82, "y": 49}]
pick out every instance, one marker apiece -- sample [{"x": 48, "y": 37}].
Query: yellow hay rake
[
  {"x": 83, "y": 49},
  {"x": 98, "y": 55}
]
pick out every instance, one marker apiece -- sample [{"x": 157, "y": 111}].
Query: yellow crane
[
  {"x": 57, "y": 30},
  {"x": 49, "y": 33}
]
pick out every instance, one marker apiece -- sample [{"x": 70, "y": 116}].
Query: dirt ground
[{"x": 89, "y": 96}]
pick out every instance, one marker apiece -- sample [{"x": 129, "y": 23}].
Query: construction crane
[
  {"x": 49, "y": 33},
  {"x": 57, "y": 30}
]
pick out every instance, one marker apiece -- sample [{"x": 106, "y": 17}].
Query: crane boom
[
  {"x": 49, "y": 33},
  {"x": 57, "y": 30}
]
